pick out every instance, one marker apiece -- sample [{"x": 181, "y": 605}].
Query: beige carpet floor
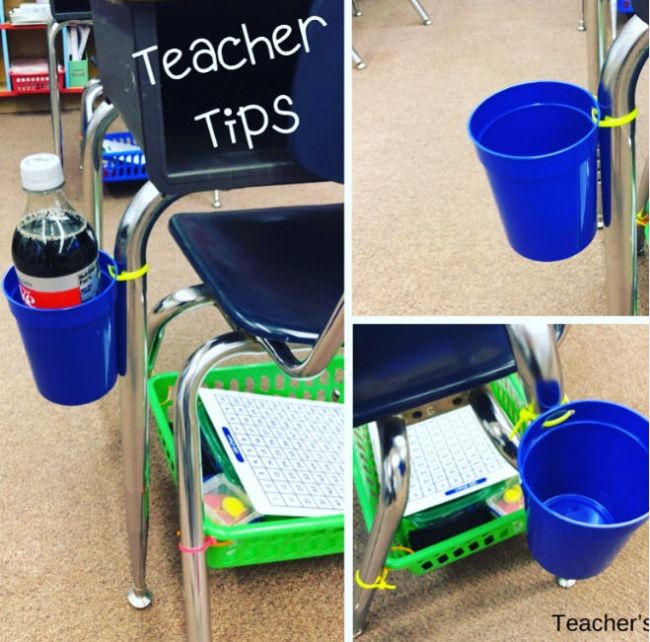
[
  {"x": 502, "y": 595},
  {"x": 426, "y": 233},
  {"x": 63, "y": 550}
]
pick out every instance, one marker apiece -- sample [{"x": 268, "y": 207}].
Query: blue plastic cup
[
  {"x": 72, "y": 351},
  {"x": 585, "y": 484},
  {"x": 537, "y": 142}
]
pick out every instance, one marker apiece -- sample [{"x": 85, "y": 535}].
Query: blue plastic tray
[{"x": 121, "y": 166}]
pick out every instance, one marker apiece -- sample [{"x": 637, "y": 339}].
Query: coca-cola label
[{"x": 59, "y": 292}]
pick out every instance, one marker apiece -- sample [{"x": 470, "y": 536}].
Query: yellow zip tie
[
  {"x": 528, "y": 414},
  {"x": 560, "y": 420},
  {"x": 381, "y": 583},
  {"x": 128, "y": 276},
  {"x": 610, "y": 121},
  {"x": 642, "y": 218}
]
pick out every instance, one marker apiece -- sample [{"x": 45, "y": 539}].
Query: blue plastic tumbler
[
  {"x": 72, "y": 351},
  {"x": 585, "y": 483},
  {"x": 537, "y": 142}
]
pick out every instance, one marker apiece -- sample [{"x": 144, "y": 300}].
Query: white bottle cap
[{"x": 41, "y": 172}]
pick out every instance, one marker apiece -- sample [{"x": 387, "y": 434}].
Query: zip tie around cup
[
  {"x": 207, "y": 543},
  {"x": 610, "y": 121},
  {"x": 128, "y": 276},
  {"x": 381, "y": 583},
  {"x": 528, "y": 414}
]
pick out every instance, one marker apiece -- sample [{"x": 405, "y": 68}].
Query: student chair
[
  {"x": 275, "y": 273},
  {"x": 408, "y": 373}
]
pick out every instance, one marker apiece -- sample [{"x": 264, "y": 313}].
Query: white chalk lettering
[
  {"x": 249, "y": 132},
  {"x": 224, "y": 64},
  {"x": 250, "y": 44},
  {"x": 209, "y": 57},
  {"x": 170, "y": 58},
  {"x": 147, "y": 63},
  {"x": 280, "y": 34},
  {"x": 230, "y": 124},
  {"x": 303, "y": 24},
  {"x": 208, "y": 51},
  {"x": 283, "y": 112},
  {"x": 207, "y": 116}
]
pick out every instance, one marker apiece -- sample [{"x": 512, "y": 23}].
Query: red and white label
[{"x": 59, "y": 292}]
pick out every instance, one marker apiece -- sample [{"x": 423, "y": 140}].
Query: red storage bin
[{"x": 33, "y": 82}]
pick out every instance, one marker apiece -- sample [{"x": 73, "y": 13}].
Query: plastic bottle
[{"x": 54, "y": 248}]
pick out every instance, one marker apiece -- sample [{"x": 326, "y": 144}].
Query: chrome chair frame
[
  {"x": 53, "y": 30},
  {"x": 143, "y": 339},
  {"x": 615, "y": 58},
  {"x": 535, "y": 350}
]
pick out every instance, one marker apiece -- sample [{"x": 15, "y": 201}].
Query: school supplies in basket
[
  {"x": 451, "y": 456},
  {"x": 226, "y": 503},
  {"x": 288, "y": 453}
]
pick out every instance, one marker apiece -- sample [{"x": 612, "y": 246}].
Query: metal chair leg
[
  {"x": 641, "y": 203},
  {"x": 188, "y": 449},
  {"x": 421, "y": 11},
  {"x": 357, "y": 59},
  {"x": 92, "y": 93},
  {"x": 130, "y": 254},
  {"x": 581, "y": 12},
  {"x": 53, "y": 29},
  {"x": 393, "y": 494},
  {"x": 620, "y": 74},
  {"x": 92, "y": 166},
  {"x": 172, "y": 306},
  {"x": 216, "y": 199},
  {"x": 356, "y": 12},
  {"x": 538, "y": 363}
]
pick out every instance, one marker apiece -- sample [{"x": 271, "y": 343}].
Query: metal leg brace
[
  {"x": 130, "y": 255},
  {"x": 641, "y": 202},
  {"x": 92, "y": 166},
  {"x": 357, "y": 59},
  {"x": 393, "y": 494},
  {"x": 581, "y": 13},
  {"x": 53, "y": 29},
  {"x": 620, "y": 74},
  {"x": 421, "y": 11},
  {"x": 92, "y": 93},
  {"x": 188, "y": 453}
]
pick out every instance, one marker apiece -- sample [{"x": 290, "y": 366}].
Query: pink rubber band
[{"x": 207, "y": 542}]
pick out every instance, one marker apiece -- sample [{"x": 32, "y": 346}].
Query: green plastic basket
[
  {"x": 510, "y": 395},
  {"x": 274, "y": 539}
]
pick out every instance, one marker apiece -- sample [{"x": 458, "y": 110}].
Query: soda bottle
[{"x": 54, "y": 248}]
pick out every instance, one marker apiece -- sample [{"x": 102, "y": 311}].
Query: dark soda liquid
[{"x": 53, "y": 244}]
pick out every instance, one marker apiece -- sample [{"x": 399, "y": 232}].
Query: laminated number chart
[
  {"x": 451, "y": 456},
  {"x": 287, "y": 452}
]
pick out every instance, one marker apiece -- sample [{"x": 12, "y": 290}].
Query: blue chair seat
[
  {"x": 276, "y": 273},
  {"x": 399, "y": 367}
]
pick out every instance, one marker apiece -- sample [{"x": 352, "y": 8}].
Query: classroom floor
[
  {"x": 65, "y": 568},
  {"x": 501, "y": 594},
  {"x": 426, "y": 233}
]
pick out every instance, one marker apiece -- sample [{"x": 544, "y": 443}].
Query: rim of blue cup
[
  {"x": 19, "y": 303},
  {"x": 553, "y": 411},
  {"x": 492, "y": 152}
]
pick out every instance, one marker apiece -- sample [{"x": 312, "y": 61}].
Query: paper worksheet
[
  {"x": 287, "y": 452},
  {"x": 450, "y": 456}
]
